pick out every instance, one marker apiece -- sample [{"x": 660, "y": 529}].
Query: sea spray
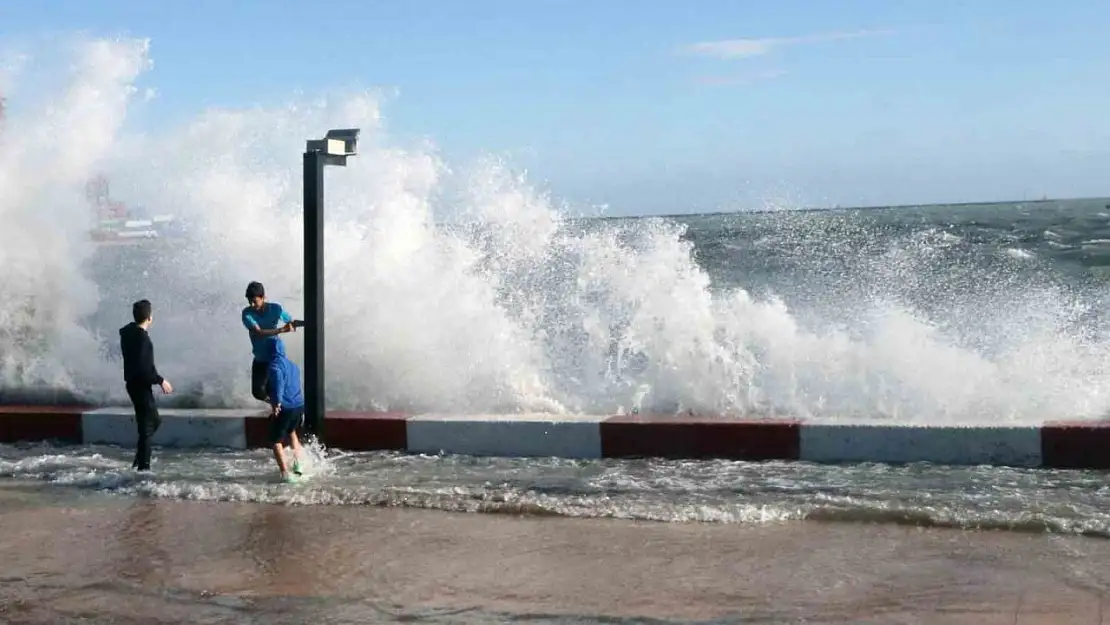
[{"x": 488, "y": 297}]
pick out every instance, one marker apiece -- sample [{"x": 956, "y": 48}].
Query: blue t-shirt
[
  {"x": 272, "y": 316},
  {"x": 284, "y": 380}
]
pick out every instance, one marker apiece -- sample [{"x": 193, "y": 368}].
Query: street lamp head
[
  {"x": 337, "y": 143},
  {"x": 349, "y": 137}
]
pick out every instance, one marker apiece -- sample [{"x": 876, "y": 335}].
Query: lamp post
[{"x": 333, "y": 149}]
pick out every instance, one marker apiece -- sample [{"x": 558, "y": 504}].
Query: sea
[
  {"x": 926, "y": 313},
  {"x": 921, "y": 314}
]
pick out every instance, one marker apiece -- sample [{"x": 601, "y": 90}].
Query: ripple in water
[{"x": 1065, "y": 502}]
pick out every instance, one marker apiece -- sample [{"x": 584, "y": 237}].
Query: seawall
[{"x": 1050, "y": 444}]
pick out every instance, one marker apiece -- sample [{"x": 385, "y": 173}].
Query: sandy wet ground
[{"x": 69, "y": 556}]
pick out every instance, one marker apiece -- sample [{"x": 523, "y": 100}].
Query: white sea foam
[
  {"x": 512, "y": 307},
  {"x": 668, "y": 491}
]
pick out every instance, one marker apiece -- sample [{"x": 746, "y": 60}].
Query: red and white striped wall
[{"x": 1059, "y": 444}]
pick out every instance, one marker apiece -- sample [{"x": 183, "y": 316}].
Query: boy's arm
[
  {"x": 148, "y": 367},
  {"x": 251, "y": 324},
  {"x": 287, "y": 318},
  {"x": 275, "y": 385}
]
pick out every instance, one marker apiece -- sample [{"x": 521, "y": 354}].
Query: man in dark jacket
[
  {"x": 139, "y": 375},
  {"x": 283, "y": 385}
]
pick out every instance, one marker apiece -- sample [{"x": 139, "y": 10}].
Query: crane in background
[{"x": 115, "y": 221}]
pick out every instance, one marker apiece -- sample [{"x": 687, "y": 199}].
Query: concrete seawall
[{"x": 1050, "y": 444}]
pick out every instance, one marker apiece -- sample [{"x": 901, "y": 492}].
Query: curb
[{"x": 1051, "y": 444}]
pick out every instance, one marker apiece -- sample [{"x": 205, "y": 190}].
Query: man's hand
[
  {"x": 167, "y": 388},
  {"x": 289, "y": 327},
  {"x": 275, "y": 411}
]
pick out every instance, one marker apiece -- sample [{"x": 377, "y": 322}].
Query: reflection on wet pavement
[{"x": 127, "y": 560}]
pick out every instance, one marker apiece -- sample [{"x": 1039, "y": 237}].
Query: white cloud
[{"x": 744, "y": 48}]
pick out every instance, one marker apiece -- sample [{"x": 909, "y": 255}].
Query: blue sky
[{"x": 658, "y": 107}]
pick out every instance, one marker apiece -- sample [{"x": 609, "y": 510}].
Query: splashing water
[
  {"x": 1037, "y": 500},
  {"x": 469, "y": 291}
]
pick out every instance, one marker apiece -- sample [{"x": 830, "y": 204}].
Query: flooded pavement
[
  {"x": 743, "y": 493},
  {"x": 79, "y": 556}
]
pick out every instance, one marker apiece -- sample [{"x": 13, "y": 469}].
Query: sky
[{"x": 667, "y": 107}]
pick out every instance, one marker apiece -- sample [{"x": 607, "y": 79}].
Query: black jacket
[{"x": 138, "y": 356}]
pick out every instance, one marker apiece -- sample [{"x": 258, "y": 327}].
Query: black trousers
[
  {"x": 147, "y": 422},
  {"x": 260, "y": 374}
]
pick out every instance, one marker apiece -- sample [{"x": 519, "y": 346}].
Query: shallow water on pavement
[
  {"x": 76, "y": 556},
  {"x": 1030, "y": 500}
]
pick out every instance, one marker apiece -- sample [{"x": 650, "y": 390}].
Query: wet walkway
[{"x": 68, "y": 556}]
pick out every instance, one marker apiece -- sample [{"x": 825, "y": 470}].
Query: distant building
[{"x": 118, "y": 223}]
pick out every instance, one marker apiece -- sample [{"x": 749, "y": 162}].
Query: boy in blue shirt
[
  {"x": 265, "y": 321},
  {"x": 286, "y": 409}
]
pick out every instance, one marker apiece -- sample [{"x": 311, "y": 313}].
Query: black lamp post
[{"x": 333, "y": 149}]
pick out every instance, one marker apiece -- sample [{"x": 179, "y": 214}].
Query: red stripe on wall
[
  {"x": 700, "y": 438},
  {"x": 40, "y": 423},
  {"x": 1075, "y": 444}
]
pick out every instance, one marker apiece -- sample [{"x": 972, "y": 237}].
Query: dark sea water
[{"x": 934, "y": 260}]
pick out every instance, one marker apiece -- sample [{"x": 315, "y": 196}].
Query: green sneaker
[
  {"x": 297, "y": 468},
  {"x": 289, "y": 478}
]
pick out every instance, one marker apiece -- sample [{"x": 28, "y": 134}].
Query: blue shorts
[{"x": 281, "y": 426}]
